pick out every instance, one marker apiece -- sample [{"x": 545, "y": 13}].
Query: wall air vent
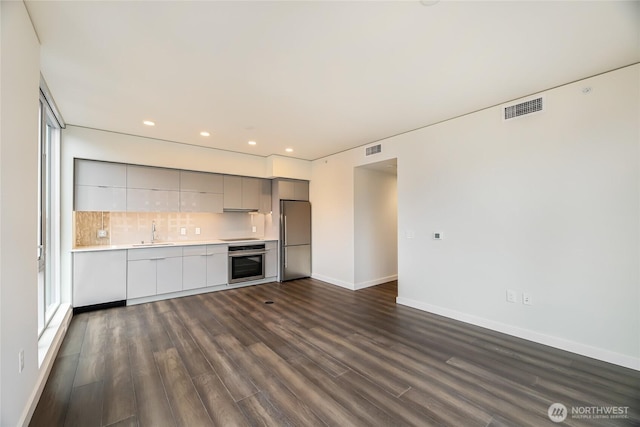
[
  {"x": 374, "y": 149},
  {"x": 522, "y": 109}
]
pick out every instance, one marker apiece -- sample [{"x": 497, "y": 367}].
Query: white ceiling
[{"x": 319, "y": 77}]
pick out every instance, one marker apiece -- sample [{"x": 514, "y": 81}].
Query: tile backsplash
[{"x": 135, "y": 227}]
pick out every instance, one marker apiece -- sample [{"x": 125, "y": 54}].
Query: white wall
[
  {"x": 19, "y": 82},
  {"x": 375, "y": 227},
  {"x": 547, "y": 204}
]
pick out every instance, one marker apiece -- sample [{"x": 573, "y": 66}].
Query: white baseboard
[
  {"x": 375, "y": 282},
  {"x": 61, "y": 324},
  {"x": 527, "y": 334},
  {"x": 333, "y": 281}
]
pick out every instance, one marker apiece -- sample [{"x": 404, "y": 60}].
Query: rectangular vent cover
[
  {"x": 375, "y": 149},
  {"x": 523, "y": 108}
]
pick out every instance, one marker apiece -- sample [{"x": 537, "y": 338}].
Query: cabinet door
[
  {"x": 301, "y": 190},
  {"x": 251, "y": 193},
  {"x": 145, "y": 200},
  {"x": 265, "y": 197},
  {"x": 217, "y": 265},
  {"x": 217, "y": 269},
  {"x": 100, "y": 174},
  {"x": 141, "y": 278},
  {"x": 194, "y": 267},
  {"x": 201, "y": 182},
  {"x": 153, "y": 178},
  {"x": 232, "y": 192},
  {"x": 271, "y": 259},
  {"x": 286, "y": 190},
  {"x": 169, "y": 275},
  {"x": 201, "y": 202},
  {"x": 111, "y": 199},
  {"x": 99, "y": 277}
]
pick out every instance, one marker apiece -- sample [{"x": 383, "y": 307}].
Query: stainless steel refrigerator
[{"x": 295, "y": 239}]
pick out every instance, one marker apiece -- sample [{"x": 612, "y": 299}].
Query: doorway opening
[{"x": 376, "y": 223}]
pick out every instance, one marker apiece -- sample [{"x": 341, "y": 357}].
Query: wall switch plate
[
  {"x": 526, "y": 299},
  {"x": 20, "y": 361},
  {"x": 102, "y": 234},
  {"x": 254, "y": 229},
  {"x": 512, "y": 296},
  {"x": 197, "y": 230},
  {"x": 183, "y": 231}
]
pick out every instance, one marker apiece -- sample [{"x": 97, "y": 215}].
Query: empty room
[{"x": 331, "y": 213}]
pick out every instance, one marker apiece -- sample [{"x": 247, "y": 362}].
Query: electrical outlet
[
  {"x": 183, "y": 231},
  {"x": 197, "y": 230},
  {"x": 512, "y": 296},
  {"x": 21, "y": 361},
  {"x": 254, "y": 228},
  {"x": 102, "y": 234},
  {"x": 526, "y": 299}
]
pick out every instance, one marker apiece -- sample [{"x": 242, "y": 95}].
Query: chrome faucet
[{"x": 153, "y": 231}]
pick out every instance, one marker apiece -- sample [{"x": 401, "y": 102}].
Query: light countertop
[{"x": 167, "y": 244}]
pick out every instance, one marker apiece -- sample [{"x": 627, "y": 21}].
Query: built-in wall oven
[{"x": 246, "y": 262}]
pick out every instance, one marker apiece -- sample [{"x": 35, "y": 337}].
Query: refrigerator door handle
[
  {"x": 284, "y": 230},
  {"x": 285, "y": 258}
]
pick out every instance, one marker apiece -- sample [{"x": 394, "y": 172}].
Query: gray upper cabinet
[
  {"x": 251, "y": 193},
  {"x": 201, "y": 182},
  {"x": 100, "y": 174},
  {"x": 293, "y": 189},
  {"x": 153, "y": 178},
  {"x": 242, "y": 193},
  {"x": 152, "y": 189},
  {"x": 265, "y": 197},
  {"x": 100, "y": 186},
  {"x": 201, "y": 192},
  {"x": 232, "y": 192}
]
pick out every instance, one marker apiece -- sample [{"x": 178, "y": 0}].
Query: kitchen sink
[{"x": 148, "y": 245}]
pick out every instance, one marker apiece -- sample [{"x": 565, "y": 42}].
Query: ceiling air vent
[
  {"x": 522, "y": 109},
  {"x": 374, "y": 149}
]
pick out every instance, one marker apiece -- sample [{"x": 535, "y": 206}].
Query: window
[{"x": 48, "y": 230}]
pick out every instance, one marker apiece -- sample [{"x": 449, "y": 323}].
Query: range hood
[{"x": 239, "y": 210}]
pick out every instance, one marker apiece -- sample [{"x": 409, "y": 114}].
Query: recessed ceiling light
[
  {"x": 205, "y": 133},
  {"x": 289, "y": 150},
  {"x": 149, "y": 123},
  {"x": 252, "y": 143}
]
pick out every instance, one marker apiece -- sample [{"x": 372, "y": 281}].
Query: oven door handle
[{"x": 234, "y": 255}]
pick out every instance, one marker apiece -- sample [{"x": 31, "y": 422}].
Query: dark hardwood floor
[{"x": 319, "y": 355}]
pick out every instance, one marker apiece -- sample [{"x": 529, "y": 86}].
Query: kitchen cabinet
[
  {"x": 99, "y": 277},
  {"x": 271, "y": 259},
  {"x": 194, "y": 267},
  {"x": 153, "y": 271},
  {"x": 289, "y": 189},
  {"x": 242, "y": 193},
  {"x": 145, "y": 200},
  {"x": 201, "y": 192},
  {"x": 217, "y": 265},
  {"x": 152, "y": 189},
  {"x": 265, "y": 197},
  {"x": 100, "y": 186},
  {"x": 153, "y": 178}
]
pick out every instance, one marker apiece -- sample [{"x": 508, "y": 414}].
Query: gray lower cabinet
[
  {"x": 217, "y": 265},
  {"x": 153, "y": 271},
  {"x": 99, "y": 277},
  {"x": 194, "y": 267},
  {"x": 271, "y": 259}
]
